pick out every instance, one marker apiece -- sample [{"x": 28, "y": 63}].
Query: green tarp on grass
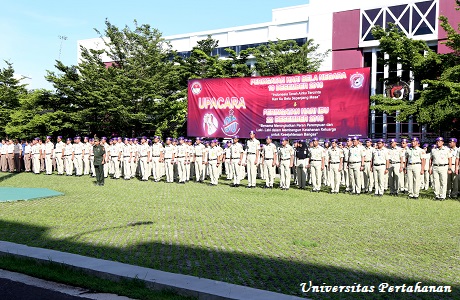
[{"x": 14, "y": 194}]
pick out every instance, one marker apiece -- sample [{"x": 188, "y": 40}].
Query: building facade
[{"x": 344, "y": 27}]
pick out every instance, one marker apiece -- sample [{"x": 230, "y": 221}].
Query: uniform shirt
[
  {"x": 17, "y": 148},
  {"x": 404, "y": 150},
  {"x": 157, "y": 149},
  {"x": 426, "y": 156},
  {"x": 181, "y": 151},
  {"x": 3, "y": 149},
  {"x": 49, "y": 147},
  {"x": 368, "y": 153},
  {"x": 236, "y": 150},
  {"x": 68, "y": 149},
  {"x": 144, "y": 150},
  {"x": 10, "y": 149},
  {"x": 269, "y": 151},
  {"x": 127, "y": 150},
  {"x": 286, "y": 152},
  {"x": 335, "y": 154},
  {"x": 113, "y": 150},
  {"x": 199, "y": 149},
  {"x": 355, "y": 154},
  {"x": 301, "y": 152},
  {"x": 453, "y": 153},
  {"x": 346, "y": 153},
  {"x": 440, "y": 156},
  {"x": 252, "y": 146},
  {"x": 99, "y": 152},
  {"x": 169, "y": 151},
  {"x": 213, "y": 153},
  {"x": 27, "y": 149},
  {"x": 228, "y": 152},
  {"x": 220, "y": 151},
  {"x": 191, "y": 151},
  {"x": 87, "y": 147},
  {"x": 317, "y": 153},
  {"x": 414, "y": 155},
  {"x": 58, "y": 148},
  {"x": 395, "y": 154},
  {"x": 78, "y": 148},
  {"x": 380, "y": 156}
]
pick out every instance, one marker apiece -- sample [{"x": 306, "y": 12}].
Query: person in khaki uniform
[
  {"x": 144, "y": 158},
  {"x": 301, "y": 163},
  {"x": 286, "y": 153},
  {"x": 440, "y": 167},
  {"x": 58, "y": 151},
  {"x": 68, "y": 157},
  {"x": 181, "y": 158},
  {"x": 236, "y": 161},
  {"x": 157, "y": 158},
  {"x": 426, "y": 167},
  {"x": 380, "y": 164},
  {"x": 414, "y": 165},
  {"x": 403, "y": 176},
  {"x": 169, "y": 159},
  {"x": 269, "y": 159},
  {"x": 3, "y": 152},
  {"x": 452, "y": 178},
  {"x": 396, "y": 156},
  {"x": 368, "y": 176},
  {"x": 49, "y": 153},
  {"x": 212, "y": 159},
  {"x": 356, "y": 166},
  {"x": 227, "y": 160},
  {"x": 77, "y": 157},
  {"x": 335, "y": 165},
  {"x": 127, "y": 155},
  {"x": 27, "y": 156},
  {"x": 252, "y": 158},
  {"x": 316, "y": 164},
  {"x": 10, "y": 155},
  {"x": 345, "y": 172},
  {"x": 198, "y": 160},
  {"x": 99, "y": 161}
]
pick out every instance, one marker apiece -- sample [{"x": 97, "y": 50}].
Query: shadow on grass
[
  {"x": 278, "y": 275},
  {"x": 6, "y": 176}
]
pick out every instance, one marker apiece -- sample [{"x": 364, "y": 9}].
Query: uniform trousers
[
  {"x": 156, "y": 168},
  {"x": 116, "y": 167},
  {"x": 394, "y": 175},
  {"x": 301, "y": 171},
  {"x": 426, "y": 180},
  {"x": 346, "y": 176},
  {"x": 4, "y": 163},
  {"x": 78, "y": 163},
  {"x": 134, "y": 163},
  {"x": 68, "y": 164},
  {"x": 11, "y": 162},
  {"x": 48, "y": 164},
  {"x": 237, "y": 171},
  {"x": 17, "y": 162},
  {"x": 228, "y": 169},
  {"x": 355, "y": 177},
  {"x": 92, "y": 168},
  {"x": 27, "y": 162},
  {"x": 414, "y": 179},
  {"x": 403, "y": 180},
  {"x": 86, "y": 164},
  {"x": 59, "y": 163},
  {"x": 285, "y": 173},
  {"x": 144, "y": 166},
  {"x": 169, "y": 170},
  {"x": 334, "y": 176},
  {"x": 126, "y": 168},
  {"x": 106, "y": 170},
  {"x": 325, "y": 175},
  {"x": 440, "y": 181},
  {"x": 213, "y": 171},
  {"x": 269, "y": 172},
  {"x": 187, "y": 170},
  {"x": 452, "y": 184},
  {"x": 199, "y": 169},
  {"x": 182, "y": 173},
  {"x": 99, "y": 173},
  {"x": 252, "y": 169},
  {"x": 36, "y": 163},
  {"x": 368, "y": 177},
  {"x": 316, "y": 174},
  {"x": 379, "y": 178},
  {"x": 42, "y": 164}
]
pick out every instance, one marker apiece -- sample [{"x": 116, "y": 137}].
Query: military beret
[
  {"x": 236, "y": 137},
  {"x": 414, "y": 139},
  {"x": 380, "y": 141},
  {"x": 59, "y": 137},
  {"x": 355, "y": 138},
  {"x": 439, "y": 139},
  {"x": 315, "y": 139},
  {"x": 48, "y": 137},
  {"x": 454, "y": 140},
  {"x": 284, "y": 139},
  {"x": 334, "y": 140},
  {"x": 252, "y": 132}
]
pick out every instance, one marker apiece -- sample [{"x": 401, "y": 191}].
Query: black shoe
[{"x": 248, "y": 187}]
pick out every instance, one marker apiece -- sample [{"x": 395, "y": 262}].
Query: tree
[
  {"x": 287, "y": 57},
  {"x": 438, "y": 103},
  {"x": 11, "y": 90}
]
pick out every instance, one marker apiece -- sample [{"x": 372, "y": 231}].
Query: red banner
[{"x": 324, "y": 105}]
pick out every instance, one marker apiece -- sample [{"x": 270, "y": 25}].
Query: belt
[
  {"x": 126, "y": 156},
  {"x": 78, "y": 154},
  {"x": 395, "y": 162},
  {"x": 354, "y": 162},
  {"x": 168, "y": 158},
  {"x": 92, "y": 155},
  {"x": 198, "y": 155},
  {"x": 68, "y": 155},
  {"x": 155, "y": 156},
  {"x": 440, "y": 165},
  {"x": 315, "y": 159},
  {"x": 57, "y": 152},
  {"x": 367, "y": 161},
  {"x": 48, "y": 153},
  {"x": 335, "y": 162},
  {"x": 144, "y": 156},
  {"x": 268, "y": 158},
  {"x": 114, "y": 156},
  {"x": 285, "y": 159},
  {"x": 376, "y": 165},
  {"x": 212, "y": 159},
  {"x": 180, "y": 156},
  {"x": 417, "y": 163},
  {"x": 251, "y": 153},
  {"x": 10, "y": 152}
]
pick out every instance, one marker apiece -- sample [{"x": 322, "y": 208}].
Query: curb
[{"x": 200, "y": 288}]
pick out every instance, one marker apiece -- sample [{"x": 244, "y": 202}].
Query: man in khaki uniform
[
  {"x": 68, "y": 157},
  {"x": 403, "y": 176},
  {"x": 345, "y": 171},
  {"x": 356, "y": 166},
  {"x": 316, "y": 164},
  {"x": 335, "y": 164},
  {"x": 212, "y": 159},
  {"x": 396, "y": 157},
  {"x": 198, "y": 160},
  {"x": 269, "y": 159},
  {"x": 127, "y": 154},
  {"x": 414, "y": 164},
  {"x": 144, "y": 158},
  {"x": 49, "y": 153},
  {"x": 286, "y": 163},
  {"x": 86, "y": 157},
  {"x": 169, "y": 159},
  {"x": 10, "y": 156},
  {"x": 157, "y": 158},
  {"x": 227, "y": 161},
  {"x": 27, "y": 157},
  {"x": 452, "y": 178},
  {"x": 440, "y": 167},
  {"x": 181, "y": 158},
  {"x": 252, "y": 158},
  {"x": 368, "y": 176},
  {"x": 236, "y": 161},
  {"x": 301, "y": 163},
  {"x": 380, "y": 164},
  {"x": 58, "y": 151}
]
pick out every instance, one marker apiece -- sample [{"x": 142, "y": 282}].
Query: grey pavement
[
  {"x": 16, "y": 286},
  {"x": 201, "y": 288}
]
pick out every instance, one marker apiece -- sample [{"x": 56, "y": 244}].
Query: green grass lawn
[{"x": 267, "y": 239}]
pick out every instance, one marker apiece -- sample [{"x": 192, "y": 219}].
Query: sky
[{"x": 32, "y": 32}]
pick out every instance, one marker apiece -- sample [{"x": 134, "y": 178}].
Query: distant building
[{"x": 344, "y": 27}]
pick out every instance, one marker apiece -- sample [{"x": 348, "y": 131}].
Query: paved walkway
[{"x": 201, "y": 288}]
